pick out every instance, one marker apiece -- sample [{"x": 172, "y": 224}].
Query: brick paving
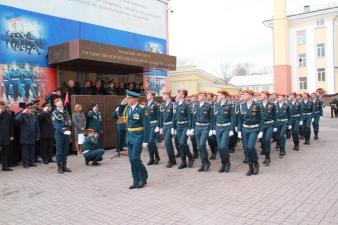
[{"x": 302, "y": 188}]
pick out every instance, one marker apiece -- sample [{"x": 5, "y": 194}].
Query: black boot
[
  {"x": 221, "y": 170},
  {"x": 213, "y": 155},
  {"x": 60, "y": 170},
  {"x": 206, "y": 165},
  {"x": 227, "y": 165},
  {"x": 202, "y": 167},
  {"x": 64, "y": 167},
  {"x": 296, "y": 147},
  {"x": 178, "y": 155},
  {"x": 191, "y": 161},
  {"x": 255, "y": 168},
  {"x": 267, "y": 160},
  {"x": 282, "y": 153},
  {"x": 183, "y": 164},
  {"x": 157, "y": 158},
  {"x": 151, "y": 159},
  {"x": 171, "y": 162},
  {"x": 262, "y": 152},
  {"x": 195, "y": 154},
  {"x": 250, "y": 171},
  {"x": 316, "y": 136}
]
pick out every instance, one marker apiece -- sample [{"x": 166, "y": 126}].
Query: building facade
[
  {"x": 256, "y": 83},
  {"x": 305, "y": 48}
]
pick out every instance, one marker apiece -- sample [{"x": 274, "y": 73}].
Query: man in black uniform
[
  {"x": 7, "y": 135},
  {"x": 333, "y": 105}
]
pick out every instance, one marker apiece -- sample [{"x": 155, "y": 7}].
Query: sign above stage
[{"x": 93, "y": 51}]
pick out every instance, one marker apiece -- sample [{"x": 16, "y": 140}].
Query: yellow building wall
[{"x": 320, "y": 37}]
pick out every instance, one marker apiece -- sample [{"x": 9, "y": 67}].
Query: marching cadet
[
  {"x": 182, "y": 125},
  {"x": 212, "y": 142},
  {"x": 202, "y": 127},
  {"x": 250, "y": 123},
  {"x": 152, "y": 128},
  {"x": 193, "y": 104},
  {"x": 91, "y": 150},
  {"x": 62, "y": 124},
  {"x": 283, "y": 122},
  {"x": 94, "y": 118},
  {"x": 234, "y": 138},
  {"x": 135, "y": 115},
  {"x": 333, "y": 105},
  {"x": 269, "y": 126},
  {"x": 296, "y": 119},
  {"x": 308, "y": 115},
  {"x": 121, "y": 127},
  {"x": 273, "y": 99},
  {"x": 224, "y": 125},
  {"x": 166, "y": 126},
  {"x": 318, "y": 112}
]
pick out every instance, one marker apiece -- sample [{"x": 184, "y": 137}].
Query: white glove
[
  {"x": 188, "y": 133},
  {"x": 192, "y": 131},
  {"x": 45, "y": 109},
  {"x": 117, "y": 109},
  {"x": 67, "y": 132},
  {"x": 172, "y": 131},
  {"x": 289, "y": 127},
  {"x": 239, "y": 135},
  {"x": 214, "y": 132},
  {"x": 275, "y": 130},
  {"x": 301, "y": 123},
  {"x": 231, "y": 133},
  {"x": 144, "y": 145},
  {"x": 161, "y": 131},
  {"x": 313, "y": 119},
  {"x": 124, "y": 101},
  {"x": 157, "y": 129},
  {"x": 210, "y": 133},
  {"x": 260, "y": 135},
  {"x": 236, "y": 129}
]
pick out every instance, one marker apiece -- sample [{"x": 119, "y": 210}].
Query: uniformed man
[
  {"x": 234, "y": 138},
  {"x": 121, "y": 127},
  {"x": 152, "y": 111},
  {"x": 296, "y": 108},
  {"x": 7, "y": 135},
  {"x": 224, "y": 126},
  {"x": 308, "y": 116},
  {"x": 91, "y": 151},
  {"x": 7, "y": 83},
  {"x": 318, "y": 112},
  {"x": 212, "y": 142},
  {"x": 62, "y": 124},
  {"x": 250, "y": 127},
  {"x": 28, "y": 81},
  {"x": 333, "y": 105},
  {"x": 193, "y": 104},
  {"x": 167, "y": 127},
  {"x": 16, "y": 78},
  {"x": 269, "y": 126},
  {"x": 182, "y": 125},
  {"x": 135, "y": 115},
  {"x": 283, "y": 122},
  {"x": 202, "y": 127},
  {"x": 95, "y": 121}
]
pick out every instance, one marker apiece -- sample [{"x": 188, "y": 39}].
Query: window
[
  {"x": 320, "y": 22},
  {"x": 321, "y": 50},
  {"x": 302, "y": 60},
  {"x": 303, "y": 83},
  {"x": 301, "y": 37},
  {"x": 321, "y": 74}
]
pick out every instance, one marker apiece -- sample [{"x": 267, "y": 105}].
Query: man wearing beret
[
  {"x": 308, "y": 117},
  {"x": 283, "y": 122},
  {"x": 296, "y": 119}
]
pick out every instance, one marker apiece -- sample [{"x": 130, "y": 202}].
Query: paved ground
[{"x": 302, "y": 188}]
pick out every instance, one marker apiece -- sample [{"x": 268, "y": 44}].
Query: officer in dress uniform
[
  {"x": 193, "y": 104},
  {"x": 121, "y": 127},
  {"x": 250, "y": 126},
  {"x": 224, "y": 126},
  {"x": 308, "y": 117},
  {"x": 269, "y": 127},
  {"x": 202, "y": 127},
  {"x": 152, "y": 112},
  {"x": 318, "y": 108},
  {"x": 296, "y": 108},
  {"x": 135, "y": 115},
  {"x": 283, "y": 122},
  {"x": 7, "y": 135},
  {"x": 95, "y": 121},
  {"x": 166, "y": 126},
  {"x": 212, "y": 142},
  {"x": 62, "y": 124},
  {"x": 91, "y": 151}
]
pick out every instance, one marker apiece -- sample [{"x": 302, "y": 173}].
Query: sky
[{"x": 214, "y": 32}]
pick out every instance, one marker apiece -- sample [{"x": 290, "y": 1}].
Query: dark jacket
[
  {"x": 6, "y": 128},
  {"x": 46, "y": 125},
  {"x": 29, "y": 128},
  {"x": 86, "y": 91}
]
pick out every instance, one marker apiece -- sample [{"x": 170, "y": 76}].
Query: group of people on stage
[{"x": 221, "y": 121}]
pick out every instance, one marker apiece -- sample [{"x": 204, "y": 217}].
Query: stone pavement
[{"x": 302, "y": 188}]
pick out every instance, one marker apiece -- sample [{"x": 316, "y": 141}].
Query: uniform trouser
[
  {"x": 94, "y": 155},
  {"x": 8, "y": 90},
  {"x": 333, "y": 112},
  {"x": 222, "y": 137},
  {"x": 152, "y": 148},
  {"x": 194, "y": 143},
  {"x": 18, "y": 89},
  {"x": 182, "y": 138},
  {"x": 46, "y": 149},
  {"x": 266, "y": 139},
  {"x": 281, "y": 132},
  {"x": 28, "y": 154},
  {"x": 120, "y": 139},
  {"x": 4, "y": 156},
  {"x": 62, "y": 147},
  {"x": 295, "y": 130},
  {"x": 138, "y": 170},
  {"x": 201, "y": 134},
  {"x": 168, "y": 141},
  {"x": 177, "y": 146},
  {"x": 249, "y": 143},
  {"x": 307, "y": 128},
  {"x": 29, "y": 87},
  {"x": 212, "y": 142},
  {"x": 233, "y": 140},
  {"x": 315, "y": 124}
]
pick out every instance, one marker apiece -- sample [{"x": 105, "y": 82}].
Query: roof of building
[
  {"x": 193, "y": 70},
  {"x": 251, "y": 80}
]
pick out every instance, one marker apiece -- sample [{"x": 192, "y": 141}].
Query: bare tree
[
  {"x": 242, "y": 69},
  {"x": 224, "y": 72}
]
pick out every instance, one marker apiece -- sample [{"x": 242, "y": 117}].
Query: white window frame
[
  {"x": 302, "y": 60},
  {"x": 301, "y": 37},
  {"x": 321, "y": 74},
  {"x": 320, "y": 22},
  {"x": 303, "y": 83},
  {"x": 321, "y": 50}
]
